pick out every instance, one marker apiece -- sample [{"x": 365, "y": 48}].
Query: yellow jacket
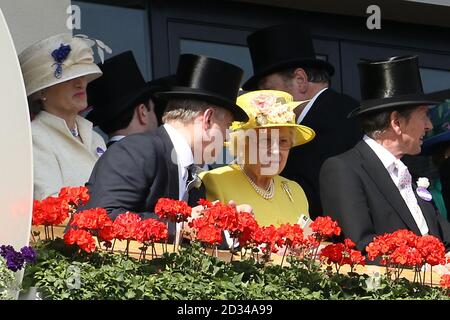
[{"x": 229, "y": 183}]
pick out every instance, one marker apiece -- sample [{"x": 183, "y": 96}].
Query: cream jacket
[{"x": 59, "y": 159}]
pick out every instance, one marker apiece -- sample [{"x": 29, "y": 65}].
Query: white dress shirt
[
  {"x": 116, "y": 138},
  {"x": 309, "y": 105},
  {"x": 184, "y": 157},
  {"x": 391, "y": 163}
]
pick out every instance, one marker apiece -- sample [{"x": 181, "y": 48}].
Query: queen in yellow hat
[{"x": 261, "y": 147}]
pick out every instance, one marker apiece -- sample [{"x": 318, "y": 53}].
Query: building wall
[{"x": 32, "y": 20}]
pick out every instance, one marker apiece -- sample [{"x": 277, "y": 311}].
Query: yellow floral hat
[{"x": 272, "y": 108}]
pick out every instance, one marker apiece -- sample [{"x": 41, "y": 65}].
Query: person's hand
[
  {"x": 447, "y": 257},
  {"x": 242, "y": 207},
  {"x": 196, "y": 212}
]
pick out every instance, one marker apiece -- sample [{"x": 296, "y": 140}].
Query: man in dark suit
[
  {"x": 141, "y": 168},
  {"x": 123, "y": 102},
  {"x": 368, "y": 189},
  {"x": 284, "y": 59}
]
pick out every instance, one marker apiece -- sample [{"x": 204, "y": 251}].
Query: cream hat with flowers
[
  {"x": 272, "y": 108},
  {"x": 57, "y": 59}
]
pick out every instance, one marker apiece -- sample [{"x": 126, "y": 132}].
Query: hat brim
[
  {"x": 252, "y": 83},
  {"x": 190, "y": 93},
  {"x": 302, "y": 134},
  {"x": 98, "y": 116},
  {"x": 91, "y": 71},
  {"x": 375, "y": 105}
]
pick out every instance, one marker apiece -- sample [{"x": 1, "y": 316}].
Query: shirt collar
[
  {"x": 309, "y": 106},
  {"x": 386, "y": 157},
  {"x": 182, "y": 148},
  {"x": 116, "y": 138},
  {"x": 84, "y": 126}
]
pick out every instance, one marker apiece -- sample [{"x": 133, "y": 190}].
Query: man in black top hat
[
  {"x": 123, "y": 102},
  {"x": 284, "y": 59},
  {"x": 368, "y": 189},
  {"x": 141, "y": 168}
]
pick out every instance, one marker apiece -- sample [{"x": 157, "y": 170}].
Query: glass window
[
  {"x": 120, "y": 28},
  {"x": 237, "y": 55},
  {"x": 434, "y": 79}
]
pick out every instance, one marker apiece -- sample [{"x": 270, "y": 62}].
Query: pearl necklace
[{"x": 266, "y": 194}]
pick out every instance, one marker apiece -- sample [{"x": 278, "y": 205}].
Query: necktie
[
  {"x": 406, "y": 190},
  {"x": 193, "y": 181}
]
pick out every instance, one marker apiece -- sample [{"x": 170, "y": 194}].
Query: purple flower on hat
[{"x": 59, "y": 55}]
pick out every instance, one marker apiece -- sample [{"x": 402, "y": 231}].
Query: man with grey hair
[
  {"x": 284, "y": 58},
  {"x": 141, "y": 168},
  {"x": 368, "y": 189}
]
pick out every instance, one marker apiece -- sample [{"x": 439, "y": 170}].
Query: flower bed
[{"x": 83, "y": 265}]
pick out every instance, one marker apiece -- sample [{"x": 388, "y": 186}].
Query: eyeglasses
[{"x": 269, "y": 144}]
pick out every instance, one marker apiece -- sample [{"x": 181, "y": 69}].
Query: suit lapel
[
  {"x": 313, "y": 112},
  {"x": 172, "y": 168},
  {"x": 380, "y": 176}
]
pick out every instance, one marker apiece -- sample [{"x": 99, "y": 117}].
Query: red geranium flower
[
  {"x": 81, "y": 238},
  {"x": 333, "y": 253},
  {"x": 291, "y": 235},
  {"x": 74, "y": 195},
  {"x": 172, "y": 210},
  {"x": 406, "y": 256},
  {"x": 325, "y": 227},
  {"x": 50, "y": 211},
  {"x": 356, "y": 258},
  {"x": 205, "y": 203},
  {"x": 224, "y": 217},
  {"x": 92, "y": 219},
  {"x": 107, "y": 233},
  {"x": 269, "y": 238},
  {"x": 342, "y": 254},
  {"x": 431, "y": 249},
  {"x": 151, "y": 230},
  {"x": 445, "y": 281},
  {"x": 209, "y": 234},
  {"x": 247, "y": 226},
  {"x": 125, "y": 225}
]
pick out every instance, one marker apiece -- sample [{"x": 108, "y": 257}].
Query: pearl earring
[{"x": 44, "y": 99}]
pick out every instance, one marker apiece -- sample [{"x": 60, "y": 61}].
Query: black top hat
[
  {"x": 207, "y": 79},
  {"x": 281, "y": 47},
  {"x": 394, "y": 82},
  {"x": 120, "y": 87}
]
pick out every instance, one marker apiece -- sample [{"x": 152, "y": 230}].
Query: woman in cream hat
[
  {"x": 262, "y": 147},
  {"x": 56, "y": 72}
]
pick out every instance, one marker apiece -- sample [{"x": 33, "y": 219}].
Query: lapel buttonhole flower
[{"x": 422, "y": 189}]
